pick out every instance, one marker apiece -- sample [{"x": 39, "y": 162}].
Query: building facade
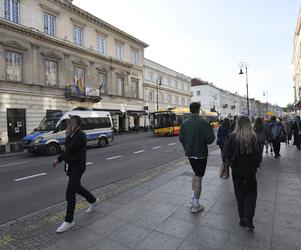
[
  {"x": 55, "y": 56},
  {"x": 165, "y": 87},
  {"x": 296, "y": 63}
]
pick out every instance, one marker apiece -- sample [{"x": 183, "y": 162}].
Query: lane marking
[
  {"x": 89, "y": 163},
  {"x": 29, "y": 177},
  {"x": 11, "y": 164},
  {"x": 114, "y": 157},
  {"x": 171, "y": 144},
  {"x": 140, "y": 151},
  {"x": 157, "y": 147}
]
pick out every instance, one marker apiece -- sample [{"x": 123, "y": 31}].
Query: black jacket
[
  {"x": 75, "y": 154},
  {"x": 244, "y": 163}
]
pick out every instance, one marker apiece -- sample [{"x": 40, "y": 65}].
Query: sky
[{"x": 208, "y": 38}]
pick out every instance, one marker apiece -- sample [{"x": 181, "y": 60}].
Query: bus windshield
[
  {"x": 49, "y": 122},
  {"x": 163, "y": 120}
]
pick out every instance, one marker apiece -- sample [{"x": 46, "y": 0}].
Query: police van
[{"x": 49, "y": 137}]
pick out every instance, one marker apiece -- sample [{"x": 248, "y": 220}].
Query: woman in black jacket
[
  {"x": 244, "y": 155},
  {"x": 223, "y": 133}
]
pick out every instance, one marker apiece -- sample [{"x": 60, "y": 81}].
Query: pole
[
  {"x": 248, "y": 104},
  {"x": 157, "y": 95}
]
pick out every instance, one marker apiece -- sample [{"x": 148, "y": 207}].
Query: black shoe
[
  {"x": 242, "y": 224},
  {"x": 249, "y": 224}
]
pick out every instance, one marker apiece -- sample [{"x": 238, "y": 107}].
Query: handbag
[{"x": 224, "y": 170}]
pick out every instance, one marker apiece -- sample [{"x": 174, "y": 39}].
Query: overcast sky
[{"x": 208, "y": 38}]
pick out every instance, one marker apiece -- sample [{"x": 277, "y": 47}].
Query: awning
[
  {"x": 137, "y": 112},
  {"x": 112, "y": 111}
]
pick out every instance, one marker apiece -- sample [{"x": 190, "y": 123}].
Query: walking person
[
  {"x": 261, "y": 133},
  {"x": 75, "y": 166},
  {"x": 222, "y": 138},
  {"x": 268, "y": 142},
  {"x": 277, "y": 131},
  {"x": 297, "y": 132},
  {"x": 196, "y": 134},
  {"x": 244, "y": 156}
]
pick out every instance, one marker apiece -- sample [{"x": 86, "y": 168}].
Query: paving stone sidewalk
[{"x": 156, "y": 214}]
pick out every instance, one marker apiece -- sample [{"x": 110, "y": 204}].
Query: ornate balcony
[{"x": 87, "y": 94}]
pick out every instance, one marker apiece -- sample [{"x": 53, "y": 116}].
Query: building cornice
[
  {"x": 33, "y": 33},
  {"x": 167, "y": 89},
  {"x": 93, "y": 19}
]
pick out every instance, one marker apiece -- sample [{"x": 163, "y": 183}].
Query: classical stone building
[
  {"x": 296, "y": 63},
  {"x": 165, "y": 88},
  {"x": 56, "y": 56}
]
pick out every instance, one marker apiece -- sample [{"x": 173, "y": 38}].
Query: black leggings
[
  {"x": 245, "y": 188},
  {"x": 74, "y": 187},
  {"x": 276, "y": 146}
]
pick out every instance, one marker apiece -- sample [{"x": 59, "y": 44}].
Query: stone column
[
  {"x": 36, "y": 68},
  {"x": 111, "y": 81},
  {"x": 2, "y": 64},
  {"x": 66, "y": 72}
]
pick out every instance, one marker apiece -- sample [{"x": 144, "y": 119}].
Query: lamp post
[
  {"x": 265, "y": 93},
  {"x": 159, "y": 82},
  {"x": 241, "y": 72}
]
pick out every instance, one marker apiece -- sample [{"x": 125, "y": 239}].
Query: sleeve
[
  {"x": 182, "y": 134},
  {"x": 77, "y": 143},
  {"x": 67, "y": 157},
  {"x": 209, "y": 135}
]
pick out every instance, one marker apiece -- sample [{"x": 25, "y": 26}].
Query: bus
[
  {"x": 49, "y": 137},
  {"x": 169, "y": 122}
]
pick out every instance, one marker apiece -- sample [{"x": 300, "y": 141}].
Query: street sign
[{"x": 245, "y": 112}]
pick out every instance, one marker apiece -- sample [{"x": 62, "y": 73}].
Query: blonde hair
[{"x": 245, "y": 135}]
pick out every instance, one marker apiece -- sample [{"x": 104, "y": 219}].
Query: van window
[{"x": 96, "y": 123}]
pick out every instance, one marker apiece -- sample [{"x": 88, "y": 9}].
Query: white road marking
[
  {"x": 157, "y": 147},
  {"x": 140, "y": 151},
  {"x": 28, "y": 177},
  {"x": 171, "y": 144},
  {"x": 89, "y": 163},
  {"x": 114, "y": 157},
  {"x": 11, "y": 164}
]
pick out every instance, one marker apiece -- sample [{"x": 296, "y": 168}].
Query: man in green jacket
[{"x": 195, "y": 135}]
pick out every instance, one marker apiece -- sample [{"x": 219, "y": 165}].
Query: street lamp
[
  {"x": 241, "y": 72},
  {"x": 159, "y": 82},
  {"x": 265, "y": 93}
]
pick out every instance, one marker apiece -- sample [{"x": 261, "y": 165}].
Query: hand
[
  {"x": 69, "y": 131},
  {"x": 55, "y": 163}
]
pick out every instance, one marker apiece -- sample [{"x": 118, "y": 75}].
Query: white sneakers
[
  {"x": 65, "y": 226},
  {"x": 92, "y": 207},
  {"x": 197, "y": 208}
]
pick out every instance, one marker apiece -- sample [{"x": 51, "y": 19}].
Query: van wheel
[
  {"x": 52, "y": 149},
  {"x": 103, "y": 142}
]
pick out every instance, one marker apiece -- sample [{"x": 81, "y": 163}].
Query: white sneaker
[
  {"x": 197, "y": 208},
  {"x": 65, "y": 226},
  {"x": 92, "y": 206}
]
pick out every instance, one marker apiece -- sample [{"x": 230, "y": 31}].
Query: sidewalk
[{"x": 155, "y": 214}]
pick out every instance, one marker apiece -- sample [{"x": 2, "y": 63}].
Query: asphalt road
[{"x": 29, "y": 183}]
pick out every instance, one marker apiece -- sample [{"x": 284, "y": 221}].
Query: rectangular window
[
  {"x": 103, "y": 83},
  {"x": 13, "y": 66},
  {"x": 135, "y": 89},
  {"x": 120, "y": 86},
  {"x": 198, "y": 93},
  {"x": 51, "y": 73},
  {"x": 101, "y": 44},
  {"x": 49, "y": 24},
  {"x": 151, "y": 96},
  {"x": 78, "y": 35},
  {"x": 119, "y": 51},
  {"x": 79, "y": 80},
  {"x": 12, "y": 10},
  {"x": 134, "y": 56}
]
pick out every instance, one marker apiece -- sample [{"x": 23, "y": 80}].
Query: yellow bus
[{"x": 169, "y": 122}]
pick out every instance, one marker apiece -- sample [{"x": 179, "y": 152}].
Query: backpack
[{"x": 276, "y": 131}]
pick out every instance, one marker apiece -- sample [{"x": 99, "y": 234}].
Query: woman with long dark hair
[
  {"x": 244, "y": 156},
  {"x": 262, "y": 134}
]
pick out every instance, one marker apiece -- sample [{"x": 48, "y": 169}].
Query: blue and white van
[{"x": 49, "y": 137}]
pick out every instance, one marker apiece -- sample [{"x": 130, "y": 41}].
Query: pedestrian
[
  {"x": 268, "y": 142},
  {"x": 277, "y": 132},
  {"x": 196, "y": 134},
  {"x": 297, "y": 132},
  {"x": 288, "y": 130},
  {"x": 233, "y": 123},
  {"x": 261, "y": 133},
  {"x": 244, "y": 156},
  {"x": 223, "y": 134},
  {"x": 75, "y": 165}
]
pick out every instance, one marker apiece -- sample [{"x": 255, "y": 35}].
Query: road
[{"x": 29, "y": 183}]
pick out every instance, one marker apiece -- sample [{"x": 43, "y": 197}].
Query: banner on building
[{"x": 92, "y": 92}]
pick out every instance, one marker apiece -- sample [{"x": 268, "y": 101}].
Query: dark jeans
[
  {"x": 74, "y": 187},
  {"x": 245, "y": 188},
  {"x": 276, "y": 146}
]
